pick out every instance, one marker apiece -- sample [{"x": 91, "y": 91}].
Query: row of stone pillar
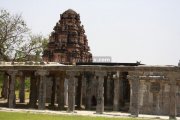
[
  {"x": 40, "y": 93},
  {"x": 6, "y": 86},
  {"x": 135, "y": 93},
  {"x": 38, "y": 90},
  {"x": 9, "y": 84},
  {"x": 100, "y": 92},
  {"x": 99, "y": 77},
  {"x": 8, "y": 91}
]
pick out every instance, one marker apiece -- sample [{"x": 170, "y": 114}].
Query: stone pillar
[
  {"x": 156, "y": 107},
  {"x": 108, "y": 90},
  {"x": 155, "y": 89},
  {"x": 33, "y": 91},
  {"x": 71, "y": 90},
  {"x": 121, "y": 90},
  {"x": 12, "y": 96},
  {"x": 100, "y": 92},
  {"x": 66, "y": 91},
  {"x": 83, "y": 90},
  {"x": 172, "y": 107},
  {"x": 22, "y": 88},
  {"x": 79, "y": 92},
  {"x": 53, "y": 91},
  {"x": 116, "y": 92},
  {"x": 42, "y": 89},
  {"x": 141, "y": 92},
  {"x": 89, "y": 77},
  {"x": 61, "y": 92},
  {"x": 134, "y": 93}
]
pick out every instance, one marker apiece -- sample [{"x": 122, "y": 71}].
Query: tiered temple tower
[{"x": 68, "y": 42}]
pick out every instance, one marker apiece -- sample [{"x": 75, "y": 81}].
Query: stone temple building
[
  {"x": 58, "y": 84},
  {"x": 68, "y": 42}
]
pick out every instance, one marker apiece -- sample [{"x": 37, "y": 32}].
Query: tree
[
  {"x": 12, "y": 32},
  {"x": 31, "y": 49},
  {"x": 16, "y": 41}
]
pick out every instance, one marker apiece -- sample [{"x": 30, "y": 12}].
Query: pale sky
[{"x": 127, "y": 30}]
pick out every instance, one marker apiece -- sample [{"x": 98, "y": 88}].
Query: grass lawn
[{"x": 31, "y": 116}]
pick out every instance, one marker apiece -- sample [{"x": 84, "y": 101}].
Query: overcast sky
[{"x": 127, "y": 30}]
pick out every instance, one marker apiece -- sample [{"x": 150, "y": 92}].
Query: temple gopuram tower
[{"x": 68, "y": 43}]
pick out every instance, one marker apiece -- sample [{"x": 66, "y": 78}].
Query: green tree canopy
[
  {"x": 16, "y": 41},
  {"x": 31, "y": 49}
]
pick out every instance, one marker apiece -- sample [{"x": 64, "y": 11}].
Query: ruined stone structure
[
  {"x": 152, "y": 90},
  {"x": 68, "y": 42}
]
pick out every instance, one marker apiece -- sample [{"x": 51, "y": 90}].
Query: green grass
[{"x": 31, "y": 116}]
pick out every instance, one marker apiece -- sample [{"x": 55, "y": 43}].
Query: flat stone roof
[{"x": 53, "y": 66}]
